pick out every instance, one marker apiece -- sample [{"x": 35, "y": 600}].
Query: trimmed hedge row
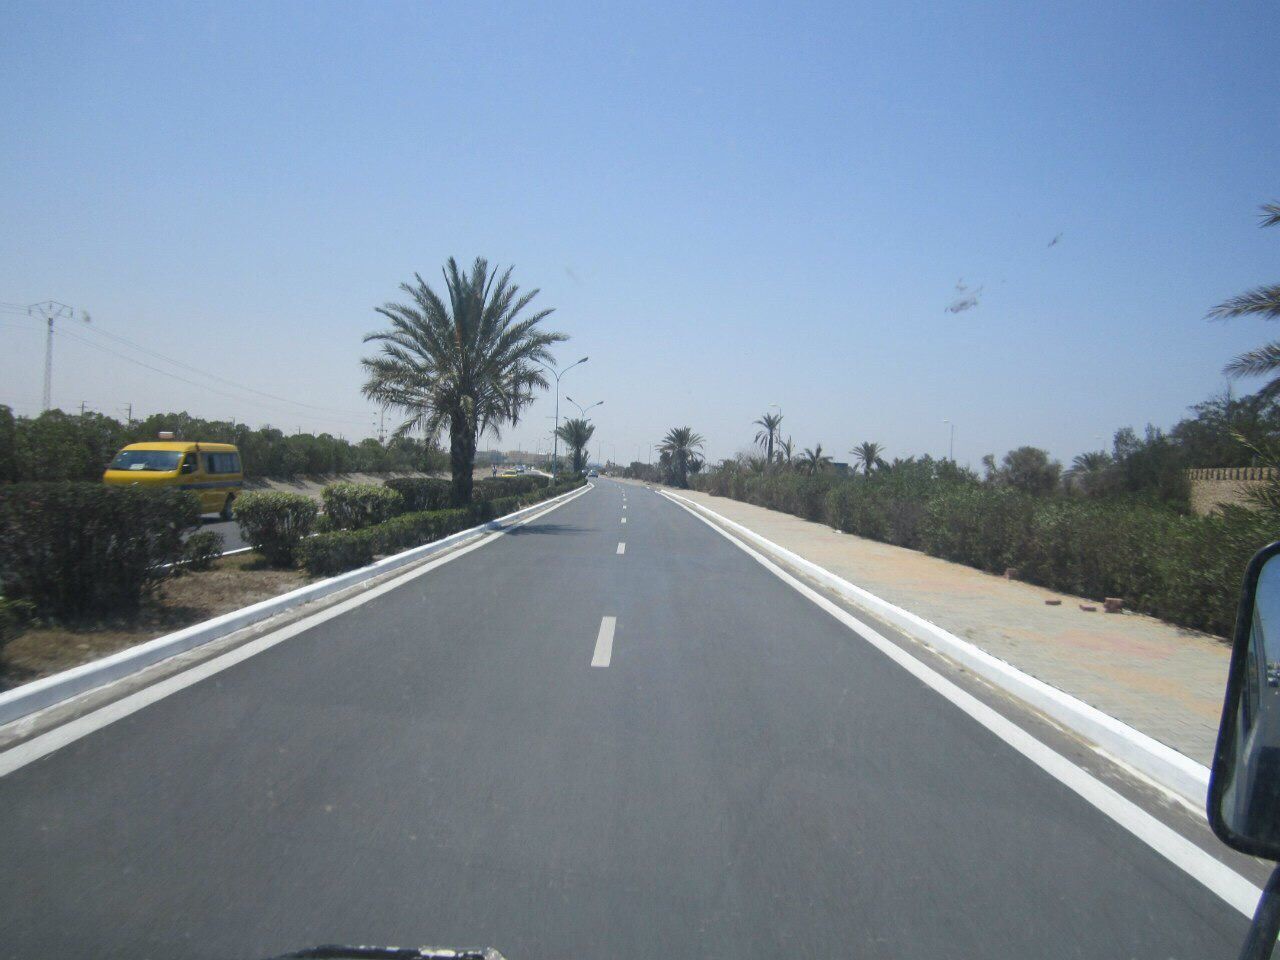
[
  {"x": 78, "y": 550},
  {"x": 353, "y": 506},
  {"x": 329, "y": 553},
  {"x": 274, "y": 523},
  {"x": 1181, "y": 568}
]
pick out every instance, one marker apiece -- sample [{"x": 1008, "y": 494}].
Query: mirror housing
[{"x": 1244, "y": 782}]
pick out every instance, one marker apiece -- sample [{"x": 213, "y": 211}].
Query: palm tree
[
  {"x": 786, "y": 451},
  {"x": 813, "y": 462},
  {"x": 465, "y": 363},
  {"x": 868, "y": 456},
  {"x": 679, "y": 445},
  {"x": 577, "y": 434},
  {"x": 1264, "y": 302},
  {"x": 768, "y": 425}
]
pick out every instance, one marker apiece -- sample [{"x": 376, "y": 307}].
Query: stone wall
[{"x": 1214, "y": 486}]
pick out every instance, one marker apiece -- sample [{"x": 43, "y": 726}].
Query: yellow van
[{"x": 212, "y": 471}]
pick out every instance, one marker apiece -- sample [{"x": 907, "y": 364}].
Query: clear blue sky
[{"x": 730, "y": 206}]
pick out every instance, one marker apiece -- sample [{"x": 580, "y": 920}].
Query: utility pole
[
  {"x": 49, "y": 311},
  {"x": 82, "y": 403},
  {"x": 382, "y": 420}
]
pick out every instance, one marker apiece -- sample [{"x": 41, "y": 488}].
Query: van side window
[
  {"x": 189, "y": 463},
  {"x": 222, "y": 463}
]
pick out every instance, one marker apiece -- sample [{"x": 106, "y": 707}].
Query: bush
[
  {"x": 328, "y": 553},
  {"x": 275, "y": 523},
  {"x": 421, "y": 493},
  {"x": 77, "y": 550},
  {"x": 490, "y": 488},
  {"x": 353, "y": 506},
  {"x": 201, "y": 549}
]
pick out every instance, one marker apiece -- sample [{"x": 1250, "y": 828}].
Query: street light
[
  {"x": 555, "y": 453},
  {"x": 582, "y": 411}
]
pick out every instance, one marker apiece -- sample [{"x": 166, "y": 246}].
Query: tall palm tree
[
  {"x": 1263, "y": 302},
  {"x": 680, "y": 445},
  {"x": 466, "y": 363},
  {"x": 868, "y": 456},
  {"x": 813, "y": 462},
  {"x": 768, "y": 425},
  {"x": 577, "y": 434}
]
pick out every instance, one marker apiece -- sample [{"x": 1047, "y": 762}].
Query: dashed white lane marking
[
  {"x": 624, "y": 519},
  {"x": 604, "y": 642},
  {"x": 622, "y": 548}
]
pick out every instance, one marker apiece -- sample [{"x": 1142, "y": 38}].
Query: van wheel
[{"x": 225, "y": 513}]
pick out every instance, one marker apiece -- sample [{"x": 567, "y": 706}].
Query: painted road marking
[
  {"x": 624, "y": 519},
  {"x": 1235, "y": 889},
  {"x": 622, "y": 548},
  {"x": 604, "y": 642}
]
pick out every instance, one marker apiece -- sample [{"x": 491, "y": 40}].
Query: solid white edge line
[
  {"x": 622, "y": 548},
  {"x": 1175, "y": 775},
  {"x": 1215, "y": 875},
  {"x": 21, "y": 754},
  {"x": 604, "y": 642}
]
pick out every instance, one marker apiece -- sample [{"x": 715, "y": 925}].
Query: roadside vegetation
[
  {"x": 1116, "y": 523},
  {"x": 465, "y": 364}
]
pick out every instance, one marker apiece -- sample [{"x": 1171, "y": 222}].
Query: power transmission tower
[{"x": 49, "y": 311}]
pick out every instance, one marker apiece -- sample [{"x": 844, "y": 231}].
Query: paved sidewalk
[{"x": 1165, "y": 681}]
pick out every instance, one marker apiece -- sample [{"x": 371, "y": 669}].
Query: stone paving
[{"x": 1164, "y": 680}]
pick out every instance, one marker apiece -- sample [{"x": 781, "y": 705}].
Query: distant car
[{"x": 592, "y": 473}]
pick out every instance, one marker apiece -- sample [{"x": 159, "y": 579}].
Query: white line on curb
[
  {"x": 1236, "y": 890},
  {"x": 1177, "y": 776},
  {"x": 604, "y": 642}
]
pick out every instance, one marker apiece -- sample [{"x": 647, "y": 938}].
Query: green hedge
[
  {"x": 1181, "y": 568},
  {"x": 275, "y": 523},
  {"x": 330, "y": 553},
  {"x": 77, "y": 550},
  {"x": 353, "y": 506},
  {"x": 421, "y": 493},
  {"x": 201, "y": 549}
]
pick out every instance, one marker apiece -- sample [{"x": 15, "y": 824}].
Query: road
[{"x": 739, "y": 775}]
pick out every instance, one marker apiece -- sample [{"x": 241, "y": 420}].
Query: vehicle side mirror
[
  {"x": 188, "y": 466},
  {"x": 1244, "y": 784}
]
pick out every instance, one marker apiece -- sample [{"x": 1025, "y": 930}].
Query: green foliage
[
  {"x": 201, "y": 549},
  {"x": 577, "y": 433},
  {"x": 326, "y": 554},
  {"x": 352, "y": 506},
  {"x": 468, "y": 362},
  {"x": 275, "y": 523},
  {"x": 421, "y": 493},
  {"x": 330, "y": 553},
  {"x": 679, "y": 455},
  {"x": 81, "y": 550},
  {"x": 61, "y": 446},
  {"x": 1181, "y": 568},
  {"x": 491, "y": 487},
  {"x": 1027, "y": 469}
]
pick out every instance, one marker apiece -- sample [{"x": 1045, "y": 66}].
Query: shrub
[
  {"x": 328, "y": 553},
  {"x": 490, "y": 488},
  {"x": 353, "y": 506},
  {"x": 421, "y": 493},
  {"x": 275, "y": 523},
  {"x": 201, "y": 549},
  {"x": 76, "y": 550}
]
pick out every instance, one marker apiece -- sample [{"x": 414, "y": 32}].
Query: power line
[{"x": 202, "y": 386}]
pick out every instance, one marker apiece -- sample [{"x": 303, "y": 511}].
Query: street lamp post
[
  {"x": 582, "y": 412},
  {"x": 555, "y": 451}
]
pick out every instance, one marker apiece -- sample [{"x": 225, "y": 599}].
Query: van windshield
[{"x": 162, "y": 461}]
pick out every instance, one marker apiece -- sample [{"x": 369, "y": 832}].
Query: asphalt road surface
[
  {"x": 567, "y": 748},
  {"x": 229, "y": 530}
]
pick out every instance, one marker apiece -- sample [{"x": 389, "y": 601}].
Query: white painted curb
[
  {"x": 45, "y": 692},
  {"x": 1163, "y": 764}
]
